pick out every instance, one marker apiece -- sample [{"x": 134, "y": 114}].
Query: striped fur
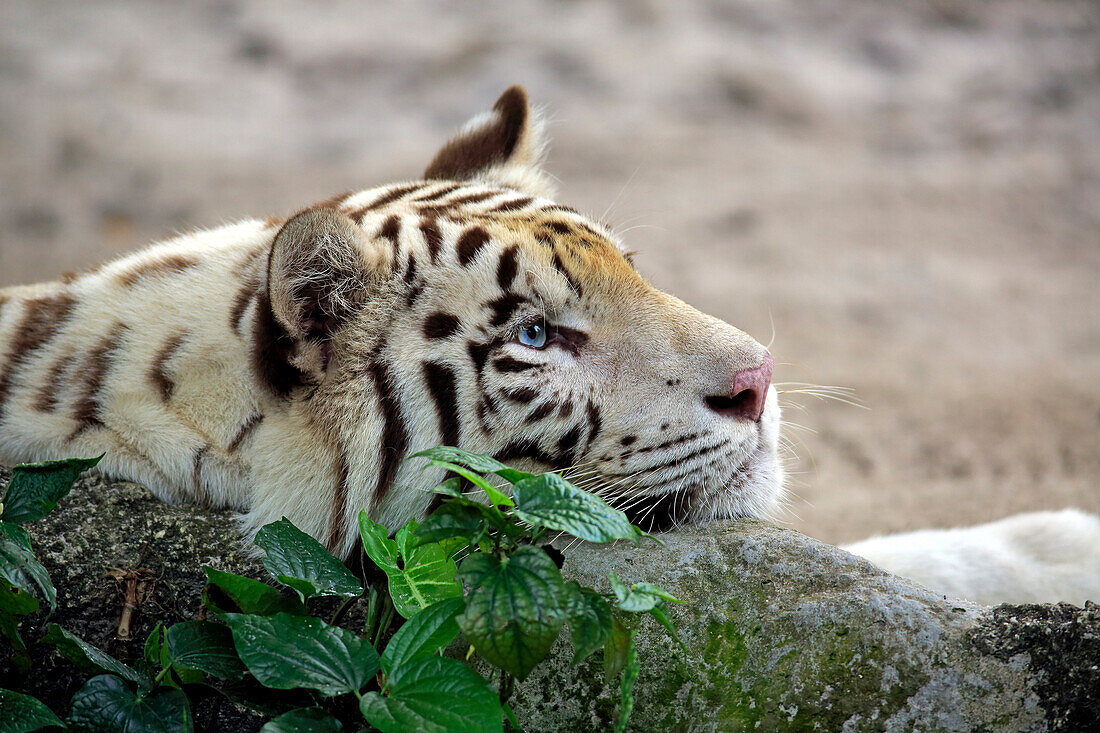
[{"x": 290, "y": 367}]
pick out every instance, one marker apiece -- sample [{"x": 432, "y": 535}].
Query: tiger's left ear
[
  {"x": 321, "y": 269},
  {"x": 504, "y": 145}
]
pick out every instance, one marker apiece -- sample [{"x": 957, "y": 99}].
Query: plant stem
[
  {"x": 343, "y": 609},
  {"x": 161, "y": 674},
  {"x": 374, "y": 600},
  {"x": 386, "y": 618},
  {"x": 507, "y": 685}
]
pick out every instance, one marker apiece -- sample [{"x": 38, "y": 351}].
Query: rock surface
[{"x": 782, "y": 632}]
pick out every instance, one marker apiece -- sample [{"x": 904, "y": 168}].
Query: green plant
[
  {"x": 32, "y": 493},
  {"x": 482, "y": 571}
]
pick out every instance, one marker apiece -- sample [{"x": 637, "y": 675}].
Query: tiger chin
[{"x": 290, "y": 367}]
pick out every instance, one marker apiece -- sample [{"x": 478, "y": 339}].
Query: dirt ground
[{"x": 903, "y": 197}]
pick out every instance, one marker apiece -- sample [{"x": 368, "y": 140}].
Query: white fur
[{"x": 1042, "y": 557}]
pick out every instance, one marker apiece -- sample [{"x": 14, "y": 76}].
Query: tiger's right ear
[
  {"x": 504, "y": 145},
  {"x": 317, "y": 278}
]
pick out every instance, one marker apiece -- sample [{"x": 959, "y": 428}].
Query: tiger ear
[
  {"x": 317, "y": 277},
  {"x": 504, "y": 145}
]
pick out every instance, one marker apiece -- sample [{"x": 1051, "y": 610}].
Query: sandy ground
[{"x": 903, "y": 197}]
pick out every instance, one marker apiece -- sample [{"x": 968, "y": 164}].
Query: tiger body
[{"x": 289, "y": 368}]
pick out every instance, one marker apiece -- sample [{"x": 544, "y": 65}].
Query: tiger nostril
[{"x": 747, "y": 394}]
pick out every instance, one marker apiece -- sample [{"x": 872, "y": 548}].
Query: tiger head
[{"x": 469, "y": 309}]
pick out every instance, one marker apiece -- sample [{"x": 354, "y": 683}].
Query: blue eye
[{"x": 533, "y": 336}]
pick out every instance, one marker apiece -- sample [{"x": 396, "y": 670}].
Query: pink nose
[{"x": 747, "y": 394}]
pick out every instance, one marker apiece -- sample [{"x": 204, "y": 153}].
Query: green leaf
[
  {"x": 35, "y": 488},
  {"x": 658, "y": 612},
  {"x": 419, "y": 576},
  {"x": 285, "y": 652},
  {"x": 655, "y": 590},
  {"x": 589, "y": 617},
  {"x": 424, "y": 634},
  {"x": 304, "y": 720},
  {"x": 434, "y": 695},
  {"x": 297, "y": 560},
  {"x": 453, "y": 520},
  {"x": 616, "y": 652},
  {"x": 19, "y": 567},
  {"x": 204, "y": 646},
  {"x": 155, "y": 651},
  {"x": 16, "y": 534},
  {"x": 88, "y": 658},
  {"x": 448, "y": 454},
  {"x": 496, "y": 496},
  {"x": 513, "y": 613},
  {"x": 640, "y": 597},
  {"x": 626, "y": 686},
  {"x": 15, "y": 602},
  {"x": 248, "y": 595},
  {"x": 450, "y": 487},
  {"x": 106, "y": 704},
  {"x": 548, "y": 500},
  {"x": 21, "y": 713},
  {"x": 479, "y": 463}
]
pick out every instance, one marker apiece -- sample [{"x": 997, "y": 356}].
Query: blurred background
[{"x": 903, "y": 198}]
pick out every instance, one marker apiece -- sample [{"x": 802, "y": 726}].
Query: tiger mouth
[
  {"x": 661, "y": 512},
  {"x": 668, "y": 510}
]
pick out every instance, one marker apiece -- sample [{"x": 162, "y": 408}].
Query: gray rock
[{"x": 782, "y": 632}]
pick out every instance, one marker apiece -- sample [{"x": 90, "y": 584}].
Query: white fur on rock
[{"x": 1041, "y": 557}]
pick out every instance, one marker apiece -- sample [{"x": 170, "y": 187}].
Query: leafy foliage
[
  {"x": 419, "y": 574},
  {"x": 106, "y": 703},
  {"x": 20, "y": 713},
  {"x": 478, "y": 569},
  {"x": 297, "y": 560}
]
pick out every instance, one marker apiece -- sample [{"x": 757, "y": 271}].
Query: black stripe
[
  {"x": 443, "y": 388},
  {"x": 479, "y": 353},
  {"x": 46, "y": 401},
  {"x": 526, "y": 449},
  {"x": 507, "y": 268},
  {"x": 503, "y": 308},
  {"x": 395, "y": 436},
  {"x": 522, "y": 395},
  {"x": 472, "y": 198},
  {"x": 508, "y": 364},
  {"x": 42, "y": 318},
  {"x": 158, "y": 371},
  {"x": 440, "y": 325},
  {"x": 196, "y": 475},
  {"x": 245, "y": 430},
  {"x": 241, "y": 300},
  {"x": 339, "y": 505},
  {"x": 432, "y": 237},
  {"x": 272, "y": 348},
  {"x": 594, "y": 421},
  {"x": 568, "y": 442},
  {"x": 470, "y": 243},
  {"x": 391, "y": 230},
  {"x": 436, "y": 195},
  {"x": 100, "y": 359},
  {"x": 560, "y": 266},
  {"x": 512, "y": 205},
  {"x": 387, "y": 198},
  {"x": 559, "y": 207},
  {"x": 541, "y": 411}
]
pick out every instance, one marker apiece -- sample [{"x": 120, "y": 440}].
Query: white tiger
[{"x": 289, "y": 367}]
